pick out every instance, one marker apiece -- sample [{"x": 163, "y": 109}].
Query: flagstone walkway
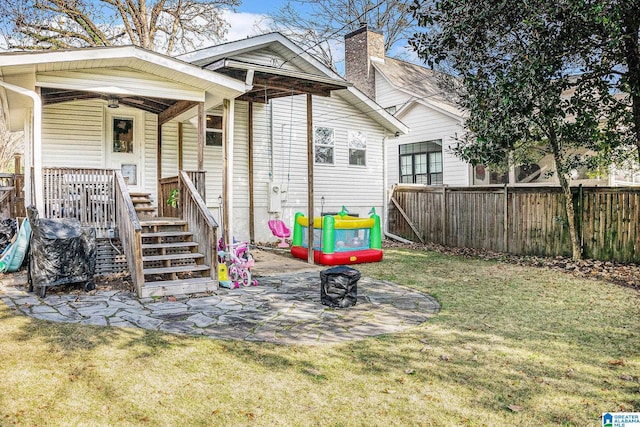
[{"x": 281, "y": 309}]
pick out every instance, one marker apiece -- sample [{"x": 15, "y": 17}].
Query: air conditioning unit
[{"x": 274, "y": 198}]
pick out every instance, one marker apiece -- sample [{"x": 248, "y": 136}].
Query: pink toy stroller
[{"x": 279, "y": 229}]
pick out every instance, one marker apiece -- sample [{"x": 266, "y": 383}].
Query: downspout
[{"x": 36, "y": 138}]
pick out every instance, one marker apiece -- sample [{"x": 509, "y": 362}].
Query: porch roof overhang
[
  {"x": 66, "y": 75},
  {"x": 271, "y": 82}
]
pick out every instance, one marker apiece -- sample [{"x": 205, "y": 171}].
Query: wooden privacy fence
[{"x": 520, "y": 220}]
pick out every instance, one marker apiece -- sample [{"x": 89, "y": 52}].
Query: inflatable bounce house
[{"x": 339, "y": 239}]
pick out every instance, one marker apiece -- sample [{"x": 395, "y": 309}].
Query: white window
[
  {"x": 357, "y": 148},
  {"x": 214, "y": 130},
  {"x": 324, "y": 142}
]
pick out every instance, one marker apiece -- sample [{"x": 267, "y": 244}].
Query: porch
[{"x": 166, "y": 251}]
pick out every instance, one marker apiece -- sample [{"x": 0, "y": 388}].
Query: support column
[
  {"x": 227, "y": 173},
  {"x": 252, "y": 231},
  {"x": 310, "y": 159},
  {"x": 202, "y": 123}
]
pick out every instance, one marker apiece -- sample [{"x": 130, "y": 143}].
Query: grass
[{"x": 512, "y": 346}]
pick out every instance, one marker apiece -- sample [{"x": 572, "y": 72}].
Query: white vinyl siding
[
  {"x": 169, "y": 149},
  {"x": 73, "y": 135},
  {"x": 150, "y": 160}
]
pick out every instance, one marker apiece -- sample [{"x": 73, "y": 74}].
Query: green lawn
[{"x": 511, "y": 346}]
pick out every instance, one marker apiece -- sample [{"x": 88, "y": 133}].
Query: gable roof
[
  {"x": 425, "y": 86},
  {"x": 294, "y": 64}
]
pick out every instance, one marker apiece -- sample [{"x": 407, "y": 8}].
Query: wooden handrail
[
  {"x": 201, "y": 222},
  {"x": 129, "y": 230}
]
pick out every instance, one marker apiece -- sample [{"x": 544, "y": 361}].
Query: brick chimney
[{"x": 359, "y": 47}]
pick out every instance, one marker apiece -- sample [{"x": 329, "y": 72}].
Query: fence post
[
  {"x": 444, "y": 215},
  {"x": 579, "y": 217},
  {"x": 506, "y": 219}
]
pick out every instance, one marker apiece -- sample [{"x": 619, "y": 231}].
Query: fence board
[{"x": 533, "y": 219}]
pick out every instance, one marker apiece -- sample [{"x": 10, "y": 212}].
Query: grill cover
[{"x": 339, "y": 286}]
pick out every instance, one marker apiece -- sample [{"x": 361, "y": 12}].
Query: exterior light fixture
[{"x": 112, "y": 102}]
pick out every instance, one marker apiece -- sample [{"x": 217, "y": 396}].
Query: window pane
[
  {"x": 323, "y": 136},
  {"x": 357, "y": 139},
  {"x": 214, "y": 138},
  {"x": 123, "y": 135},
  {"x": 357, "y": 157},
  {"x": 214, "y": 122},
  {"x": 324, "y": 155},
  {"x": 406, "y": 165},
  {"x": 436, "y": 179},
  {"x": 420, "y": 163},
  {"x": 435, "y": 162},
  {"x": 422, "y": 179}
]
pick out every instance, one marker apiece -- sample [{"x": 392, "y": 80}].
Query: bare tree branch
[{"x": 169, "y": 26}]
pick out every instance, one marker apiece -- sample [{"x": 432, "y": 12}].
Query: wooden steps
[
  {"x": 143, "y": 205},
  {"x": 172, "y": 264}
]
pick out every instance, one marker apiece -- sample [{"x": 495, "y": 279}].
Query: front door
[{"x": 124, "y": 145}]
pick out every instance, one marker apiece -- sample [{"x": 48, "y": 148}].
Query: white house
[
  {"x": 247, "y": 131},
  {"x": 412, "y": 94},
  {"x": 421, "y": 98}
]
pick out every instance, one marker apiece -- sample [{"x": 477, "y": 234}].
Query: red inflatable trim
[{"x": 339, "y": 258}]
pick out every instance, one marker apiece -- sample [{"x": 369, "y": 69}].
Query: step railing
[
  {"x": 129, "y": 230},
  {"x": 200, "y": 221}
]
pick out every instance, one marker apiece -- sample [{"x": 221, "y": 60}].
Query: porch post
[
  {"x": 202, "y": 123},
  {"x": 252, "y": 232},
  {"x": 227, "y": 174},
  {"x": 310, "y": 258}
]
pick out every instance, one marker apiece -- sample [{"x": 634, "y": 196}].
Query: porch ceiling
[
  {"x": 151, "y": 105},
  {"x": 270, "y": 82}
]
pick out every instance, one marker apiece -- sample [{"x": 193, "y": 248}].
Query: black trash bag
[
  {"x": 61, "y": 251},
  {"x": 8, "y": 228},
  {"x": 339, "y": 286}
]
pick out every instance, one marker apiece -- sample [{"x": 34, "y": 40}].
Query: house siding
[
  {"x": 77, "y": 127},
  {"x": 71, "y": 128},
  {"x": 426, "y": 124}
]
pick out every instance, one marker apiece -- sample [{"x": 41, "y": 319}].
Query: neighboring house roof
[
  {"x": 297, "y": 63},
  {"x": 425, "y": 86}
]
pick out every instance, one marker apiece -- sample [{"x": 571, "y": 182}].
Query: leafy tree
[
  {"x": 317, "y": 25},
  {"x": 525, "y": 86},
  {"x": 169, "y": 26},
  {"x": 612, "y": 53}
]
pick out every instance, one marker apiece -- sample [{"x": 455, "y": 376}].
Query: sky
[{"x": 253, "y": 13}]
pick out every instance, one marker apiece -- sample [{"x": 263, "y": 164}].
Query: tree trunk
[{"x": 576, "y": 249}]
